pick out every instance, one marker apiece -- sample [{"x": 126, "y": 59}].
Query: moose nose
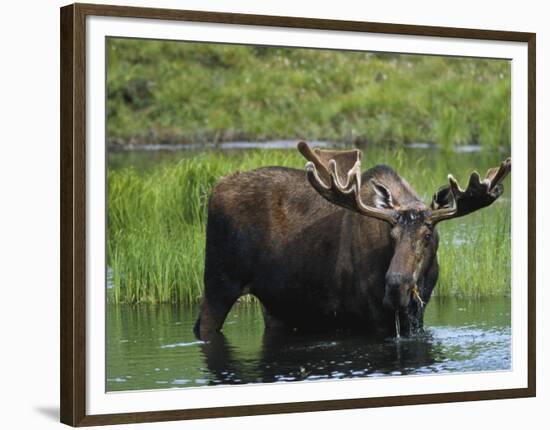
[
  {"x": 396, "y": 280},
  {"x": 397, "y": 285}
]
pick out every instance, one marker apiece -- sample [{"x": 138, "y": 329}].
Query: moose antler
[
  {"x": 336, "y": 175},
  {"x": 451, "y": 201}
]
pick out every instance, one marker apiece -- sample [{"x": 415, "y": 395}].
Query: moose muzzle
[{"x": 398, "y": 290}]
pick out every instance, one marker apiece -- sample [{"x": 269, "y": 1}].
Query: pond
[{"x": 153, "y": 347}]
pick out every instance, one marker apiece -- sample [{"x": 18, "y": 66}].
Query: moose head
[{"x": 336, "y": 175}]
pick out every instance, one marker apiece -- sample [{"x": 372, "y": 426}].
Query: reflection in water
[
  {"x": 153, "y": 347},
  {"x": 293, "y": 357}
]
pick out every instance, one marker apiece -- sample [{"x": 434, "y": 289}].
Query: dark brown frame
[{"x": 73, "y": 213}]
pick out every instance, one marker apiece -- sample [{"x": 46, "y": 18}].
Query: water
[
  {"x": 144, "y": 157},
  {"x": 153, "y": 347}
]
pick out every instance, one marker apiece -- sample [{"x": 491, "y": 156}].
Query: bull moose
[{"x": 331, "y": 247}]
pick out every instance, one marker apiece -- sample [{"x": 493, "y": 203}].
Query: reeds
[{"x": 157, "y": 218}]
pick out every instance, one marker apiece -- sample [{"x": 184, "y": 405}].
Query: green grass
[
  {"x": 174, "y": 92},
  {"x": 157, "y": 218},
  {"x": 480, "y": 266}
]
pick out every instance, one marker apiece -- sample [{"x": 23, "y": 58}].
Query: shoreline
[{"x": 289, "y": 144}]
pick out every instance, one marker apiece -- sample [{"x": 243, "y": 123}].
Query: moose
[{"x": 330, "y": 248}]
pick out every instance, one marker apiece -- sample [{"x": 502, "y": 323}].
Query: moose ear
[{"x": 382, "y": 197}]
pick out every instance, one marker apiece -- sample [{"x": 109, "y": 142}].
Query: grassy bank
[
  {"x": 174, "y": 92},
  {"x": 157, "y": 217}
]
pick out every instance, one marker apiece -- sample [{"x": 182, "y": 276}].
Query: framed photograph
[{"x": 264, "y": 214}]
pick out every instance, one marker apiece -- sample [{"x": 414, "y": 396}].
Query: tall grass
[
  {"x": 157, "y": 218},
  {"x": 474, "y": 256},
  {"x": 166, "y": 92}
]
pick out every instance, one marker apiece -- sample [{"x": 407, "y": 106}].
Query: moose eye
[{"x": 427, "y": 237}]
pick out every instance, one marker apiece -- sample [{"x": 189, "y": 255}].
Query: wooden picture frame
[{"x": 74, "y": 223}]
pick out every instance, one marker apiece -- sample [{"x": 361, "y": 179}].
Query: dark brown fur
[{"x": 313, "y": 265}]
